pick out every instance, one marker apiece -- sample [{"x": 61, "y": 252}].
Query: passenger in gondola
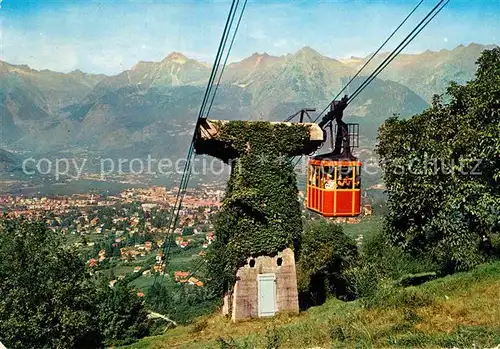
[
  {"x": 347, "y": 181},
  {"x": 330, "y": 183},
  {"x": 357, "y": 181},
  {"x": 340, "y": 183}
]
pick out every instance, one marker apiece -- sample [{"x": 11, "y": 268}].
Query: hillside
[
  {"x": 11, "y": 164},
  {"x": 303, "y": 77},
  {"x": 30, "y": 99},
  {"x": 429, "y": 72},
  {"x": 175, "y": 70},
  {"x": 455, "y": 311},
  {"x": 152, "y": 106},
  {"x": 8, "y": 160},
  {"x": 49, "y": 90}
]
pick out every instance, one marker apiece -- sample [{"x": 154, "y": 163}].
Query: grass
[
  {"x": 367, "y": 226},
  {"x": 143, "y": 283},
  {"x": 461, "y": 310}
]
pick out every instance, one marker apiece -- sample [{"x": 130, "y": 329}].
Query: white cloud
[
  {"x": 281, "y": 43},
  {"x": 258, "y": 34}
]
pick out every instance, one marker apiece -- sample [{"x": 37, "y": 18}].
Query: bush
[
  {"x": 326, "y": 255},
  {"x": 390, "y": 261},
  {"x": 49, "y": 299},
  {"x": 495, "y": 243},
  {"x": 395, "y": 297},
  {"x": 365, "y": 280},
  {"x": 181, "y": 303},
  {"x": 379, "y": 264},
  {"x": 122, "y": 316}
]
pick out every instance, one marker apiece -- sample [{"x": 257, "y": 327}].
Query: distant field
[
  {"x": 180, "y": 259},
  {"x": 366, "y": 227},
  {"x": 455, "y": 311}
]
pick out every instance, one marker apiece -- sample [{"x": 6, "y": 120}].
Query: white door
[{"x": 267, "y": 294}]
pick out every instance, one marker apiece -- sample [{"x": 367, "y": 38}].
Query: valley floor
[{"x": 458, "y": 311}]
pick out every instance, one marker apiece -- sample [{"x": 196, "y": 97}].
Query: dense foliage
[
  {"x": 383, "y": 266},
  {"x": 442, "y": 171},
  {"x": 49, "y": 300},
  {"x": 180, "y": 303},
  {"x": 326, "y": 254},
  {"x": 122, "y": 316},
  {"x": 260, "y": 213}
]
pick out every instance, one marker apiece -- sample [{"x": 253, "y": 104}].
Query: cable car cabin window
[
  {"x": 357, "y": 178},
  {"x": 320, "y": 178},
  {"x": 311, "y": 175},
  {"x": 316, "y": 177},
  {"x": 328, "y": 172}
]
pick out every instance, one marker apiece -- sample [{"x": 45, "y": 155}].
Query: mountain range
[{"x": 152, "y": 107}]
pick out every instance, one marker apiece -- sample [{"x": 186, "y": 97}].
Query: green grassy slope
[{"x": 456, "y": 311}]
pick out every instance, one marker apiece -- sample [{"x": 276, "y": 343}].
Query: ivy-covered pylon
[{"x": 260, "y": 214}]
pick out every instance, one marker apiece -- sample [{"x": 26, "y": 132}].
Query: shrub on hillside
[
  {"x": 495, "y": 244},
  {"x": 396, "y": 297},
  {"x": 380, "y": 263},
  {"x": 181, "y": 303},
  {"x": 326, "y": 254},
  {"x": 122, "y": 316},
  {"x": 48, "y": 301},
  {"x": 392, "y": 261}
]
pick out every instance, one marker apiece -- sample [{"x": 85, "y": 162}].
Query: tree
[
  {"x": 187, "y": 231},
  {"x": 442, "y": 172},
  {"x": 122, "y": 315},
  {"x": 180, "y": 303},
  {"x": 48, "y": 301}
]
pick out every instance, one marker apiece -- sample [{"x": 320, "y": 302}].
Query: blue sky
[{"x": 111, "y": 36}]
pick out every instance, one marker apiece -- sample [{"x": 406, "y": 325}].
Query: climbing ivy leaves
[{"x": 260, "y": 214}]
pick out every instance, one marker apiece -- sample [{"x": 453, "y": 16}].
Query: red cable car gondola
[{"x": 334, "y": 179}]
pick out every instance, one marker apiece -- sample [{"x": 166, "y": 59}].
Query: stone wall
[{"x": 243, "y": 302}]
